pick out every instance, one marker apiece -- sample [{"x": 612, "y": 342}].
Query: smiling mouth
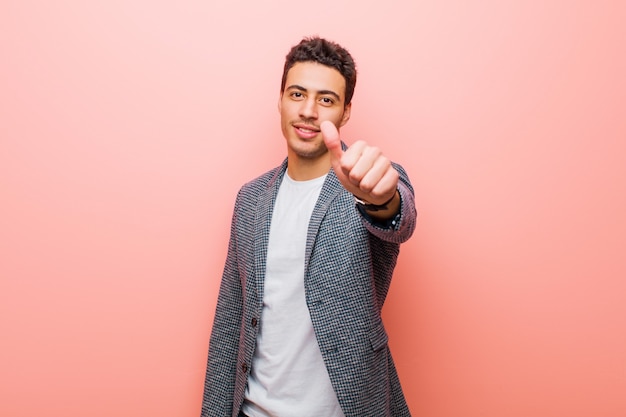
[
  {"x": 307, "y": 128},
  {"x": 305, "y": 131}
]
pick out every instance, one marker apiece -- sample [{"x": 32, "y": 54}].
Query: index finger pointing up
[{"x": 331, "y": 139}]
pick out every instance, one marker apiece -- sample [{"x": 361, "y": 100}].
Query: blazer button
[
  {"x": 244, "y": 368},
  {"x": 254, "y": 322}
]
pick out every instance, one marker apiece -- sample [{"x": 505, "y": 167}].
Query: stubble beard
[{"x": 310, "y": 152}]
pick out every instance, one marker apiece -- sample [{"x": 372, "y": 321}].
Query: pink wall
[{"x": 126, "y": 128}]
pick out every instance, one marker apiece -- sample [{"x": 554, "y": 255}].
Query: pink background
[{"x": 127, "y": 127}]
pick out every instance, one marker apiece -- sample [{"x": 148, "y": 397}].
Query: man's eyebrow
[{"x": 321, "y": 92}]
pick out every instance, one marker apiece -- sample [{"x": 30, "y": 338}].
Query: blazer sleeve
[
  {"x": 400, "y": 228},
  {"x": 219, "y": 384}
]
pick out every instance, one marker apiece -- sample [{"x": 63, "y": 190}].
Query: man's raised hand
[{"x": 362, "y": 169}]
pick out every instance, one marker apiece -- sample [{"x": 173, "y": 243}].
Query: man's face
[{"x": 313, "y": 93}]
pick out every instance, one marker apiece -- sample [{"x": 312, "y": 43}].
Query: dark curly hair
[{"x": 322, "y": 51}]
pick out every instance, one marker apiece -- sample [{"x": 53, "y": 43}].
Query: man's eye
[
  {"x": 296, "y": 94},
  {"x": 327, "y": 100}
]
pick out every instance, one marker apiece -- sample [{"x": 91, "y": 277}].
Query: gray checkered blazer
[{"x": 349, "y": 263}]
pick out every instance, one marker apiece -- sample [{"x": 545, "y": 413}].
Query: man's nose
[{"x": 308, "y": 109}]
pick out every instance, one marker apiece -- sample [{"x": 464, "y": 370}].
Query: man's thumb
[{"x": 331, "y": 139}]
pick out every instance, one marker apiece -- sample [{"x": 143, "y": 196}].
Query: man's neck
[{"x": 304, "y": 169}]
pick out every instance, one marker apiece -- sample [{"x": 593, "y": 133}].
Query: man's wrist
[{"x": 374, "y": 207}]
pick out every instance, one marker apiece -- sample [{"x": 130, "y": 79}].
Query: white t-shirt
[{"x": 288, "y": 376}]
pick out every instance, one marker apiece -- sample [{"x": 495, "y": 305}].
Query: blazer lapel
[
  {"x": 262, "y": 221},
  {"x": 331, "y": 188}
]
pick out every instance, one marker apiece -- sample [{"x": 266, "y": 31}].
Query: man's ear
[
  {"x": 346, "y": 114},
  {"x": 280, "y": 99}
]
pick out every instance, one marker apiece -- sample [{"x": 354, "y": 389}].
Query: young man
[{"x": 297, "y": 329}]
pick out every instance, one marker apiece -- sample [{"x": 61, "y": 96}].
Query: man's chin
[{"x": 308, "y": 150}]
